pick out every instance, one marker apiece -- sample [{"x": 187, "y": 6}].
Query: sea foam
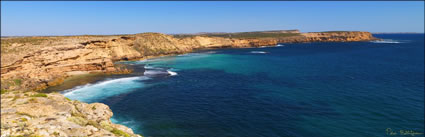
[
  {"x": 258, "y": 52},
  {"x": 97, "y": 91},
  {"x": 155, "y": 72},
  {"x": 386, "y": 41},
  {"x": 151, "y": 71},
  {"x": 172, "y": 73}
]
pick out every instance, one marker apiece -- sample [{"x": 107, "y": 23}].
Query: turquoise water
[{"x": 309, "y": 89}]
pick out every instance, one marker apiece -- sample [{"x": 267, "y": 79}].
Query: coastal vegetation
[
  {"x": 334, "y": 31},
  {"x": 39, "y": 95},
  {"x": 242, "y": 35},
  {"x": 120, "y": 133},
  {"x": 4, "y": 91},
  {"x": 5, "y": 42},
  {"x": 253, "y": 35}
]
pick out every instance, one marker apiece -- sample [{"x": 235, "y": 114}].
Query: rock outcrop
[
  {"x": 342, "y": 36},
  {"x": 61, "y": 57},
  {"x": 49, "y": 115}
]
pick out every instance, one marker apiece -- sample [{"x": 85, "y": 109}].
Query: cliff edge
[{"x": 34, "y": 63}]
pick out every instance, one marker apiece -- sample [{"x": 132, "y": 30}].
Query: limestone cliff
[
  {"x": 342, "y": 36},
  {"x": 60, "y": 57},
  {"x": 50, "y": 115}
]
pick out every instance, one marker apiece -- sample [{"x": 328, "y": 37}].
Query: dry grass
[
  {"x": 14, "y": 48},
  {"x": 6, "y": 42},
  {"x": 242, "y": 35}
]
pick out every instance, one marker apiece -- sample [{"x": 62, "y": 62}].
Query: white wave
[
  {"x": 196, "y": 54},
  {"x": 127, "y": 121},
  {"x": 182, "y": 55},
  {"x": 210, "y": 52},
  {"x": 104, "y": 89},
  {"x": 150, "y": 60},
  {"x": 148, "y": 67},
  {"x": 172, "y": 73},
  {"x": 386, "y": 41},
  {"x": 258, "y": 52},
  {"x": 154, "y": 72},
  {"x": 279, "y": 45}
]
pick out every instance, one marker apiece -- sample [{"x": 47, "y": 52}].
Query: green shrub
[
  {"x": 4, "y": 91},
  {"x": 25, "y": 114},
  {"x": 15, "y": 97},
  {"x": 39, "y": 95},
  {"x": 93, "y": 123},
  {"x": 106, "y": 125},
  {"x": 34, "y": 100},
  {"x": 78, "y": 120},
  {"x": 24, "y": 119},
  {"x": 120, "y": 133},
  {"x": 68, "y": 99},
  {"x": 17, "y": 81},
  {"x": 77, "y": 114}
]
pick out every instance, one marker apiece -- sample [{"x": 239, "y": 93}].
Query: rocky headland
[
  {"x": 49, "y": 115},
  {"x": 33, "y": 63}
]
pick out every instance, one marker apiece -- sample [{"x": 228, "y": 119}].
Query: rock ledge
[{"x": 49, "y": 115}]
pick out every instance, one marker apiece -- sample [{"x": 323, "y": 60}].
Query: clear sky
[{"x": 103, "y": 17}]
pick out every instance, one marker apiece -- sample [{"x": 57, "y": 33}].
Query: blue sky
[{"x": 103, "y": 17}]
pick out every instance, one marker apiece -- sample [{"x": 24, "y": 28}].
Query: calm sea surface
[{"x": 303, "y": 90}]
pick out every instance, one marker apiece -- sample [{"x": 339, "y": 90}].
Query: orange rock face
[{"x": 84, "y": 54}]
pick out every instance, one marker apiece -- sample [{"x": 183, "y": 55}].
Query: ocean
[{"x": 347, "y": 89}]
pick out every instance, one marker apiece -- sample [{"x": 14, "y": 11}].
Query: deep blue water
[{"x": 310, "y": 89}]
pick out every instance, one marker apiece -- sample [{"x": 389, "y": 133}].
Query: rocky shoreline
[
  {"x": 36, "y": 63},
  {"x": 38, "y": 114},
  {"x": 59, "y": 57}
]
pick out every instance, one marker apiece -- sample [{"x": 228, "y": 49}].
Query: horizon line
[{"x": 196, "y": 33}]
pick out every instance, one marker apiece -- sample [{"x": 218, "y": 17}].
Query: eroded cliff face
[
  {"x": 50, "y": 115},
  {"x": 49, "y": 65},
  {"x": 338, "y": 36}
]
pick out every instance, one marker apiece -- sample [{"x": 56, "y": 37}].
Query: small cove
[{"x": 306, "y": 89}]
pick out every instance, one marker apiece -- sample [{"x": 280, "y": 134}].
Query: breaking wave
[
  {"x": 386, "y": 41},
  {"x": 151, "y": 71},
  {"x": 279, "y": 45},
  {"x": 258, "y": 52},
  {"x": 172, "y": 73},
  {"x": 97, "y": 91},
  {"x": 129, "y": 122}
]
